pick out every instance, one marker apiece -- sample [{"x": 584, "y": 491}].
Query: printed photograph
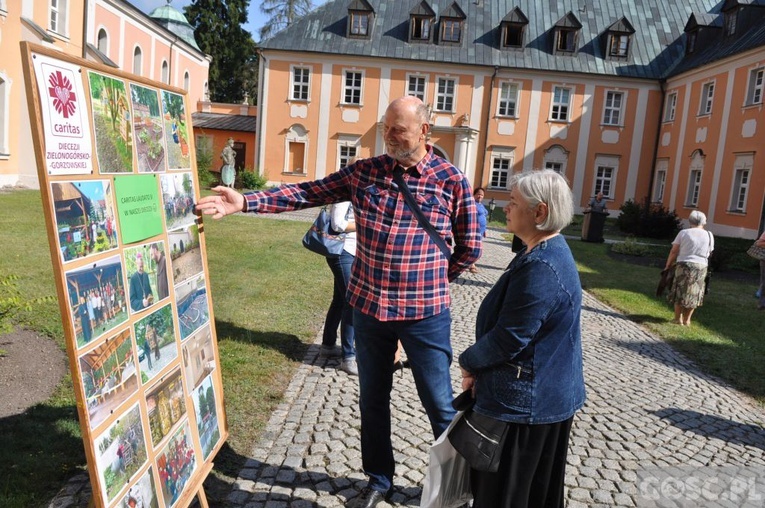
[
  {"x": 109, "y": 376},
  {"x": 120, "y": 452},
  {"x": 111, "y": 123},
  {"x": 207, "y": 416},
  {"x": 146, "y": 267},
  {"x": 84, "y": 218},
  {"x": 166, "y": 404},
  {"x": 155, "y": 342},
  {"x": 198, "y": 357},
  {"x": 185, "y": 253},
  {"x": 148, "y": 130},
  {"x": 143, "y": 494},
  {"x": 175, "y": 464},
  {"x": 176, "y": 131},
  {"x": 178, "y": 200},
  {"x": 96, "y": 298},
  {"x": 193, "y": 309}
]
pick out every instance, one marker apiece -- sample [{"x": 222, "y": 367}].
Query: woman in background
[
  {"x": 483, "y": 214},
  {"x": 690, "y": 253}
]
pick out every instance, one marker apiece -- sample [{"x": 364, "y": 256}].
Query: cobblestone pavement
[{"x": 648, "y": 407}]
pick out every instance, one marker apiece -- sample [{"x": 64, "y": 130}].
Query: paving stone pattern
[{"x": 647, "y": 407}]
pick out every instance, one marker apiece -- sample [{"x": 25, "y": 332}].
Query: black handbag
[
  {"x": 322, "y": 239},
  {"x": 478, "y": 438}
]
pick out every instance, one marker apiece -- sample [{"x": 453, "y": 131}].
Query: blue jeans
[
  {"x": 340, "y": 313},
  {"x": 429, "y": 351}
]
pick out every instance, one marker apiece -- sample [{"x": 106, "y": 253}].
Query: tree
[
  {"x": 282, "y": 13},
  {"x": 219, "y": 33}
]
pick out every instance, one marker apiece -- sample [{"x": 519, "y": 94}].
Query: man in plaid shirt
[{"x": 399, "y": 287}]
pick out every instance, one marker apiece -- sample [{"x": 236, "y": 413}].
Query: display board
[{"x": 116, "y": 163}]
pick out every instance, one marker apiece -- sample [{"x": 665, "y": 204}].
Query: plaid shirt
[{"x": 399, "y": 273}]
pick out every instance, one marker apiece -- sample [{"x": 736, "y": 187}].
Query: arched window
[
  {"x": 186, "y": 81},
  {"x": 165, "y": 72},
  {"x": 103, "y": 42},
  {"x": 137, "y": 61}
]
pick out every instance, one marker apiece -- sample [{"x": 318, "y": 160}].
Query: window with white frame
[
  {"x": 165, "y": 72},
  {"x": 560, "y": 104},
  {"x": 445, "y": 94},
  {"x": 508, "y": 99},
  {"x": 416, "y": 86},
  {"x": 756, "y": 83},
  {"x": 301, "y": 80},
  {"x": 501, "y": 164},
  {"x": 694, "y": 188},
  {"x": 556, "y": 158},
  {"x": 4, "y": 117},
  {"x": 612, "y": 109},
  {"x": 707, "y": 93},
  {"x": 347, "y": 149},
  {"x": 352, "y": 87},
  {"x": 103, "y": 42},
  {"x": 58, "y": 16},
  {"x": 660, "y": 181},
  {"x": 605, "y": 175},
  {"x": 669, "y": 107},
  {"x": 137, "y": 61},
  {"x": 741, "y": 176}
]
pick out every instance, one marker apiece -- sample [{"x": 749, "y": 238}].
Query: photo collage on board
[{"x": 119, "y": 171}]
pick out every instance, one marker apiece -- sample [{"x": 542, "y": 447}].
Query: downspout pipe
[{"x": 488, "y": 119}]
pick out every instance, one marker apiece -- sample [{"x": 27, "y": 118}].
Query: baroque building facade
[{"x": 638, "y": 99}]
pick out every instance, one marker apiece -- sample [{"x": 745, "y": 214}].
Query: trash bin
[{"x": 592, "y": 227}]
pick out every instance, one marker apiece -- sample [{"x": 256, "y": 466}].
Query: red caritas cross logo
[{"x": 60, "y": 90}]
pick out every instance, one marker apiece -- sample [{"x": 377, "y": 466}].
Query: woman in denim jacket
[{"x": 526, "y": 365}]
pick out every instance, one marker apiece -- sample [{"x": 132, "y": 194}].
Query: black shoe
[{"x": 368, "y": 498}]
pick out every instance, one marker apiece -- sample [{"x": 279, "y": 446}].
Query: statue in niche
[{"x": 228, "y": 171}]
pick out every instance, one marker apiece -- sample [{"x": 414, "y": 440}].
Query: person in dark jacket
[{"x": 525, "y": 368}]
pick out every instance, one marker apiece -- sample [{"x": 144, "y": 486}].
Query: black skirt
[{"x": 531, "y": 471}]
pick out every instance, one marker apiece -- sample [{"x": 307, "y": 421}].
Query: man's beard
[{"x": 401, "y": 155}]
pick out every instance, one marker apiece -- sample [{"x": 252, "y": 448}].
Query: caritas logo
[{"x": 64, "y": 99}]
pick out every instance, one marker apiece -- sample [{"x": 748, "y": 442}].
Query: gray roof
[
  {"x": 223, "y": 122},
  {"x": 656, "y": 49}
]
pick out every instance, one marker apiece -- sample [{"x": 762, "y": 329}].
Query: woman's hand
[{"x": 468, "y": 381}]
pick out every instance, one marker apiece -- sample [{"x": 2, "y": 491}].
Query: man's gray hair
[
  {"x": 697, "y": 218},
  {"x": 423, "y": 114},
  {"x": 546, "y": 186}
]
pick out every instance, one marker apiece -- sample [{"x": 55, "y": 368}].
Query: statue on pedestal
[{"x": 228, "y": 171}]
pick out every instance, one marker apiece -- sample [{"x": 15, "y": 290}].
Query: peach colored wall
[{"x": 19, "y": 164}]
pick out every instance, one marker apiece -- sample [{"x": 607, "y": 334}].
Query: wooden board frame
[{"x": 110, "y": 347}]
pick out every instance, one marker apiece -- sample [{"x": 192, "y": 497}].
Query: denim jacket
[{"x": 527, "y": 358}]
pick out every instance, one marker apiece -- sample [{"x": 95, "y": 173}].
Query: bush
[
  {"x": 649, "y": 220},
  {"x": 204, "y": 164},
  {"x": 249, "y": 179}
]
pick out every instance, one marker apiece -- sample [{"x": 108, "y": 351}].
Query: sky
[{"x": 255, "y": 17}]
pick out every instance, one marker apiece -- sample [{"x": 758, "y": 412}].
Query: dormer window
[
  {"x": 421, "y": 20},
  {"x": 512, "y": 29},
  {"x": 451, "y": 30},
  {"x": 730, "y": 19},
  {"x": 452, "y": 21},
  {"x": 360, "y": 18},
  {"x": 566, "y": 33},
  {"x": 618, "y": 40},
  {"x": 690, "y": 42}
]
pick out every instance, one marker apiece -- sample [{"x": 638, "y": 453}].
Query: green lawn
[{"x": 269, "y": 296}]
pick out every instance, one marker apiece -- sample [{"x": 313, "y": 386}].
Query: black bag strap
[{"x": 398, "y": 177}]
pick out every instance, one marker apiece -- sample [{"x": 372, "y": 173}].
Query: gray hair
[
  {"x": 697, "y": 218},
  {"x": 548, "y": 187}
]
